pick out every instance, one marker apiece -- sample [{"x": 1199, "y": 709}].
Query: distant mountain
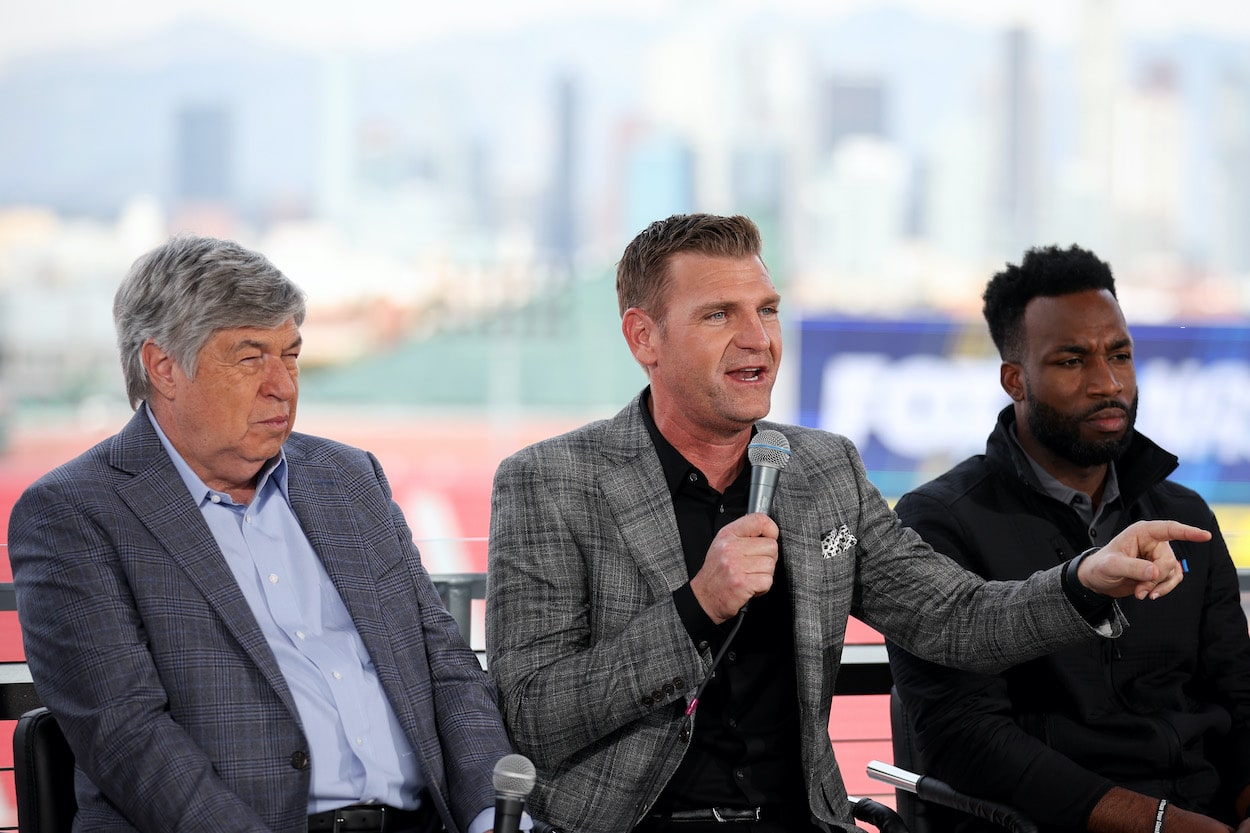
[{"x": 85, "y": 130}]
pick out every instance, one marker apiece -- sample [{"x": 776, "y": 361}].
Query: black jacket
[{"x": 1164, "y": 709}]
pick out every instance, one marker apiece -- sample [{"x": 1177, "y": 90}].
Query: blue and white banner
[{"x": 918, "y": 396}]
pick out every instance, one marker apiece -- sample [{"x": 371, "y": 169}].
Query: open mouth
[{"x": 748, "y": 374}]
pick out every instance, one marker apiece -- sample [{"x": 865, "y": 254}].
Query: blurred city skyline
[
  {"x": 453, "y": 184},
  {"x": 433, "y": 170}
]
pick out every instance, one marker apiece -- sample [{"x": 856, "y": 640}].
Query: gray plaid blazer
[
  {"x": 592, "y": 659},
  {"x": 142, "y": 645}
]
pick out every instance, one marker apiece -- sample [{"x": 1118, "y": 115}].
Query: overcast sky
[{"x": 28, "y": 26}]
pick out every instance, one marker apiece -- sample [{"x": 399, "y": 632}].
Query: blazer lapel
[
  {"x": 819, "y": 615},
  {"x": 373, "y": 581},
  {"x": 330, "y": 516},
  {"x": 643, "y": 512},
  {"x": 159, "y": 499}
]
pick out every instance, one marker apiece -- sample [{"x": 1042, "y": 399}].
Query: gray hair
[{"x": 182, "y": 292}]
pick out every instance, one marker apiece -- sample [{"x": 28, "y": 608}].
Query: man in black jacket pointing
[{"x": 1151, "y": 732}]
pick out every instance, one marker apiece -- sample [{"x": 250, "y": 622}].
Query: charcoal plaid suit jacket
[
  {"x": 592, "y": 659},
  {"x": 142, "y": 645}
]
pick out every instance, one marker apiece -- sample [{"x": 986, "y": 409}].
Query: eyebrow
[
  {"x": 262, "y": 346},
  {"x": 1082, "y": 350},
  {"x": 710, "y": 306}
]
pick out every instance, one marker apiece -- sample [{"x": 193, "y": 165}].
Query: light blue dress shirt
[{"x": 358, "y": 751}]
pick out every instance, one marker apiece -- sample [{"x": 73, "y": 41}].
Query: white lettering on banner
[
  {"x": 925, "y": 405},
  {"x": 1197, "y": 411},
  {"x": 916, "y": 406}
]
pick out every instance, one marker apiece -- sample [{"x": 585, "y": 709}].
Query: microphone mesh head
[
  {"x": 514, "y": 775},
  {"x": 769, "y": 448}
]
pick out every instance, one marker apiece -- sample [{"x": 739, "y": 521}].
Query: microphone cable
[
  {"x": 711, "y": 672},
  {"x": 687, "y": 719}
]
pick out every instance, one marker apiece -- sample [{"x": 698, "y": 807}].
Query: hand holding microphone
[
  {"x": 769, "y": 453},
  {"x": 740, "y": 563}
]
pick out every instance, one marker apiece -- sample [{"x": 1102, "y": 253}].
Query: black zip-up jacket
[{"x": 1164, "y": 709}]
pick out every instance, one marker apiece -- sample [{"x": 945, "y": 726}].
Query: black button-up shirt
[{"x": 745, "y": 748}]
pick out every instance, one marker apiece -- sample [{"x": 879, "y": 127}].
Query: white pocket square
[{"x": 837, "y": 540}]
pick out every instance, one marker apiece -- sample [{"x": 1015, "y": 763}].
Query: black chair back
[
  {"x": 43, "y": 773},
  {"x": 933, "y": 806}
]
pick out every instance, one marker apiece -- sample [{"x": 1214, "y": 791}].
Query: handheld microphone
[
  {"x": 768, "y": 453},
  {"x": 513, "y": 778}
]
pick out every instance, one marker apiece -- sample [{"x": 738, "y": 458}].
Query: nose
[
  {"x": 1104, "y": 379},
  {"x": 280, "y": 380},
  {"x": 754, "y": 334}
]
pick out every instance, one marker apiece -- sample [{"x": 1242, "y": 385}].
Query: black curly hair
[{"x": 1045, "y": 271}]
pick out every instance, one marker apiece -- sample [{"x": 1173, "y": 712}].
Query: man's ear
[
  {"x": 1011, "y": 377},
  {"x": 160, "y": 367},
  {"x": 641, "y": 334}
]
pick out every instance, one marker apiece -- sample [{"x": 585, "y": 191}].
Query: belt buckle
[
  {"x": 716, "y": 815},
  {"x": 340, "y": 816}
]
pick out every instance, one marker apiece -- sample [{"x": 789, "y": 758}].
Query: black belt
[
  {"x": 720, "y": 814},
  {"x": 368, "y": 818}
]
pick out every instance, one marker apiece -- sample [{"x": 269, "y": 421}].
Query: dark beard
[{"x": 1061, "y": 434}]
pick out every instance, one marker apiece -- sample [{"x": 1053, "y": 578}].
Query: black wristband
[{"x": 1087, "y": 602}]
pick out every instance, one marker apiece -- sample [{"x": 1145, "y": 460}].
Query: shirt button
[
  {"x": 733, "y": 724},
  {"x": 739, "y": 774},
  {"x": 300, "y": 634},
  {"x": 732, "y": 655},
  {"x": 273, "y": 578},
  {"x": 703, "y": 645},
  {"x": 215, "y": 498},
  {"x": 694, "y": 478},
  {"x": 338, "y": 675},
  {"x": 360, "y": 741}
]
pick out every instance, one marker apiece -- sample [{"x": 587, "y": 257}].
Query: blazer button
[
  {"x": 657, "y": 696},
  {"x": 299, "y": 760},
  {"x": 648, "y": 702},
  {"x": 679, "y": 684},
  {"x": 668, "y": 688}
]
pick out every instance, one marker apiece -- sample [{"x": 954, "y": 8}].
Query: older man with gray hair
[{"x": 229, "y": 620}]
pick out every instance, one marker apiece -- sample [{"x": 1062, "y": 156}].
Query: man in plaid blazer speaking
[
  {"x": 229, "y": 620},
  {"x": 622, "y": 559}
]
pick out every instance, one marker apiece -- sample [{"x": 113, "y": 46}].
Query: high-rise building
[
  {"x": 850, "y": 107},
  {"x": 1147, "y": 174},
  {"x": 204, "y": 154},
  {"x": 561, "y": 233},
  {"x": 203, "y": 171},
  {"x": 1230, "y": 243},
  {"x": 1017, "y": 203},
  {"x": 659, "y": 180}
]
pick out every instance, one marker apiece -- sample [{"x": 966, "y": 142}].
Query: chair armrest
[
  {"x": 928, "y": 788},
  {"x": 877, "y": 814}
]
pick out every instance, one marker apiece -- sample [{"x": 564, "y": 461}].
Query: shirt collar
[
  {"x": 274, "y": 471},
  {"x": 675, "y": 466},
  {"x": 1049, "y": 484}
]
